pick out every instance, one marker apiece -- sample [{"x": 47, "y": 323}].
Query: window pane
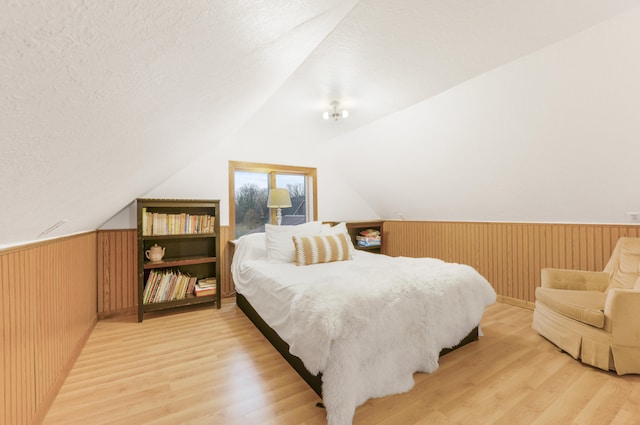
[
  {"x": 296, "y": 183},
  {"x": 250, "y": 190},
  {"x": 251, "y": 193}
]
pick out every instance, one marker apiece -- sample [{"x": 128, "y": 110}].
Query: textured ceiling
[
  {"x": 387, "y": 55},
  {"x": 104, "y": 100}
]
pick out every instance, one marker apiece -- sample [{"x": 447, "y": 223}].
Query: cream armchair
[{"x": 595, "y": 316}]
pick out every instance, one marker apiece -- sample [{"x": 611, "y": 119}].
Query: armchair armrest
[
  {"x": 621, "y": 316},
  {"x": 578, "y": 280}
]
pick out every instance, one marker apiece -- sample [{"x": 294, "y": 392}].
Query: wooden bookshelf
[{"x": 188, "y": 230}]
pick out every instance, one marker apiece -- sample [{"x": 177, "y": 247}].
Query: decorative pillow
[
  {"x": 279, "y": 245},
  {"x": 317, "y": 249}
]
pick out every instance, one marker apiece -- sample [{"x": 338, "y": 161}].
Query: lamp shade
[{"x": 279, "y": 198}]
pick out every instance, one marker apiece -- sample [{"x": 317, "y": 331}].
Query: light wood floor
[{"x": 210, "y": 366}]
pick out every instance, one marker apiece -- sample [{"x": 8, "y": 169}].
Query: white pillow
[
  {"x": 339, "y": 228},
  {"x": 279, "y": 242},
  {"x": 252, "y": 247},
  {"x": 327, "y": 229}
]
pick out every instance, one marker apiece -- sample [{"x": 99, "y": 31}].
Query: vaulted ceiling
[{"x": 104, "y": 100}]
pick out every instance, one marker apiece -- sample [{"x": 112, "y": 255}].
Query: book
[
  {"x": 191, "y": 285},
  {"x": 204, "y": 292},
  {"x": 161, "y": 294},
  {"x": 207, "y": 282},
  {"x": 205, "y": 287},
  {"x": 149, "y": 287}
]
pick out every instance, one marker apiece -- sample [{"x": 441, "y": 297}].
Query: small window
[{"x": 249, "y": 185}]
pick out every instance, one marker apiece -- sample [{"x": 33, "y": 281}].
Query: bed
[{"x": 353, "y": 324}]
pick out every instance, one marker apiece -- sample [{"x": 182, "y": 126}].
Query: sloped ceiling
[{"x": 103, "y": 101}]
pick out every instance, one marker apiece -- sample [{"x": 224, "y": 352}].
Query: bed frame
[{"x": 314, "y": 381}]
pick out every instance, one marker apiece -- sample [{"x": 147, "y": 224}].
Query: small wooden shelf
[
  {"x": 175, "y": 262},
  {"x": 355, "y": 227}
]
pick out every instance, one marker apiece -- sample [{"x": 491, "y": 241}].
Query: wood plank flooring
[{"x": 207, "y": 366}]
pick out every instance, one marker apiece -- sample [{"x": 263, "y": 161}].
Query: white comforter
[{"x": 370, "y": 323}]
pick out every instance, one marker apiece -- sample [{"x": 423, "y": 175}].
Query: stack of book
[
  {"x": 167, "y": 285},
  {"x": 205, "y": 287}
]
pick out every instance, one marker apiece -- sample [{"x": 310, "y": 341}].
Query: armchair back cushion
[{"x": 624, "y": 265}]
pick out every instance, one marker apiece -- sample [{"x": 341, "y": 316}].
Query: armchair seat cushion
[{"x": 584, "y": 306}]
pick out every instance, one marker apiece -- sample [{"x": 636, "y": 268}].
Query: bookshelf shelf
[
  {"x": 189, "y": 300},
  {"x": 186, "y": 232},
  {"x": 175, "y": 262}
]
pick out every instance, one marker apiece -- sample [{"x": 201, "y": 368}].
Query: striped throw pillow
[{"x": 321, "y": 248}]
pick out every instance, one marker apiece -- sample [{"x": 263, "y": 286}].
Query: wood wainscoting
[
  {"x": 117, "y": 270},
  {"x": 226, "y": 283},
  {"x": 509, "y": 255},
  {"x": 47, "y": 310}
]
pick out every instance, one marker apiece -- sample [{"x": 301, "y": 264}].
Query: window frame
[{"x": 311, "y": 183}]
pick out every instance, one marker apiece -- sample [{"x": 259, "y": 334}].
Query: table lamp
[{"x": 279, "y": 198}]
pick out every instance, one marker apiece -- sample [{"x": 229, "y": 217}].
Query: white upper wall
[
  {"x": 551, "y": 137},
  {"x": 212, "y": 170}
]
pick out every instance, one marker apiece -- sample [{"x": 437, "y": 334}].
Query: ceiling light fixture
[{"x": 335, "y": 112}]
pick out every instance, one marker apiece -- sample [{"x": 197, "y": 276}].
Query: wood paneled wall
[
  {"x": 226, "y": 283},
  {"x": 117, "y": 270},
  {"x": 509, "y": 255},
  {"x": 47, "y": 310}
]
